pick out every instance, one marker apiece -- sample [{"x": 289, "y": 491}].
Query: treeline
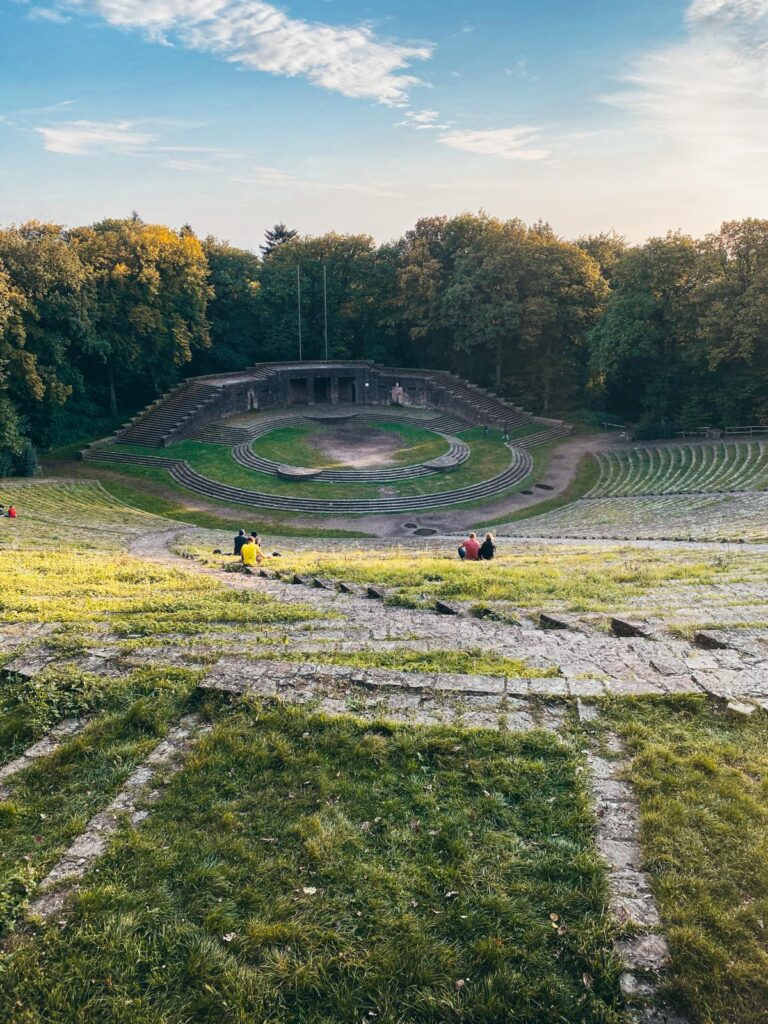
[{"x": 96, "y": 321}]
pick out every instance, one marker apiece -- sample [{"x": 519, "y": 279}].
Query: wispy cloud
[
  {"x": 517, "y": 143},
  {"x": 77, "y": 138},
  {"x": 421, "y": 120},
  {"x": 351, "y": 60},
  {"x": 706, "y": 98},
  {"x": 48, "y": 14}
]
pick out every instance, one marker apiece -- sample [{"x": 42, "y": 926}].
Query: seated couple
[
  {"x": 471, "y": 550},
  {"x": 249, "y": 548}
]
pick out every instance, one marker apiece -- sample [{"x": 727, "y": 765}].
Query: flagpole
[
  {"x": 325, "y": 308},
  {"x": 298, "y": 304}
]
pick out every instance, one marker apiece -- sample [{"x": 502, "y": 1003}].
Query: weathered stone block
[{"x": 630, "y": 627}]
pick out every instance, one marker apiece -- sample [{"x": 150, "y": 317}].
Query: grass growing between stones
[
  {"x": 701, "y": 776},
  {"x": 579, "y": 579},
  {"x": 51, "y": 802},
  {"x": 465, "y": 662},
  {"x": 310, "y": 870}
]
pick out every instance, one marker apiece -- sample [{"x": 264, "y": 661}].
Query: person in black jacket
[
  {"x": 240, "y": 539},
  {"x": 487, "y": 549}
]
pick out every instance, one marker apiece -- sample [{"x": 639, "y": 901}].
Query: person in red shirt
[
  {"x": 11, "y": 512},
  {"x": 471, "y": 548}
]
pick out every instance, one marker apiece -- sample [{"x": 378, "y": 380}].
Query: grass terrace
[
  {"x": 527, "y": 576},
  {"x": 308, "y": 870},
  {"x": 488, "y": 458},
  {"x": 683, "y": 468},
  {"x": 701, "y": 777}
]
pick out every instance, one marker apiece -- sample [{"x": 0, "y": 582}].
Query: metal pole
[
  {"x": 298, "y": 304},
  {"x": 325, "y": 308}
]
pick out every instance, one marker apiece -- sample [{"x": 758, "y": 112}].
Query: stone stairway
[
  {"x": 476, "y": 403},
  {"x": 544, "y": 437},
  {"x": 155, "y": 425},
  {"x": 519, "y": 468}
]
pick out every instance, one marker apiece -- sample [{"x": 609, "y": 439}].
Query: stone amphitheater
[{"x": 234, "y": 410}]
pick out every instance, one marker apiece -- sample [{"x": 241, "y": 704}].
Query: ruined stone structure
[{"x": 202, "y": 400}]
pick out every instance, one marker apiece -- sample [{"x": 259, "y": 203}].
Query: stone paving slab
[
  {"x": 644, "y": 952},
  {"x": 42, "y": 748}
]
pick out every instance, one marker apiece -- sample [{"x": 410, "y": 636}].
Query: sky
[{"x": 637, "y": 116}]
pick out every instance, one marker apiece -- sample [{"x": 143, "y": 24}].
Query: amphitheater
[
  {"x": 547, "y": 767},
  {"x": 234, "y": 411}
]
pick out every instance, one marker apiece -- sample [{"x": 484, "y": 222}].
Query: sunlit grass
[
  {"x": 308, "y": 870},
  {"x": 702, "y": 779}
]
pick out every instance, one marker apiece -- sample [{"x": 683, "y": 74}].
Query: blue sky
[{"x": 632, "y": 115}]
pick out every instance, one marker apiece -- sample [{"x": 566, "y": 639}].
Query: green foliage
[{"x": 95, "y": 321}]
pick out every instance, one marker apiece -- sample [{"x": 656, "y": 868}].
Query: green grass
[
  {"x": 310, "y": 870},
  {"x": 152, "y": 490},
  {"x": 90, "y": 593},
  {"x": 701, "y": 776},
  {"x": 54, "y": 799},
  {"x": 488, "y": 458},
  {"x": 580, "y": 579}
]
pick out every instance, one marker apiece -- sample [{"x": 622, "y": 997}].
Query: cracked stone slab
[
  {"x": 42, "y": 748},
  {"x": 30, "y": 664}
]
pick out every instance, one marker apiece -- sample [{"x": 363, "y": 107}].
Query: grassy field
[
  {"x": 528, "y": 576},
  {"x": 293, "y": 445},
  {"x": 325, "y": 871},
  {"x": 702, "y": 780},
  {"x": 152, "y": 490},
  {"x": 488, "y": 458}
]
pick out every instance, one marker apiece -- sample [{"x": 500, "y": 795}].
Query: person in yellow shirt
[{"x": 250, "y": 552}]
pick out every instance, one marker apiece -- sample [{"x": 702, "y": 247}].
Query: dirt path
[{"x": 557, "y": 477}]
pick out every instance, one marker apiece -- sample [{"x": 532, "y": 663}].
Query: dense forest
[{"x": 96, "y": 321}]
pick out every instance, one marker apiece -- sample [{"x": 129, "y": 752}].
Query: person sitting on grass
[
  {"x": 11, "y": 512},
  {"x": 487, "y": 548},
  {"x": 250, "y": 555},
  {"x": 240, "y": 539},
  {"x": 470, "y": 548}
]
